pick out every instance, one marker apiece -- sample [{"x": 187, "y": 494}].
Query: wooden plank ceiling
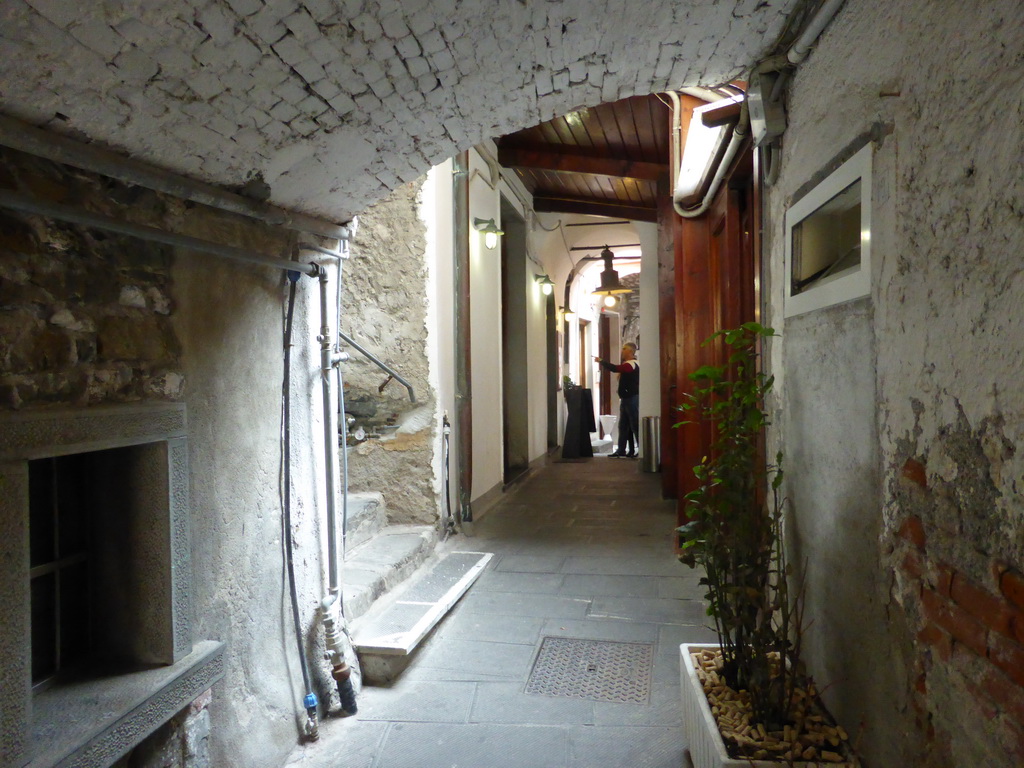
[{"x": 604, "y": 161}]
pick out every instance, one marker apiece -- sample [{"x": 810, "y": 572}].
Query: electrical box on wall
[{"x": 767, "y": 117}]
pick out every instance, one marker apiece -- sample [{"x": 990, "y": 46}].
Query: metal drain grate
[{"x": 593, "y": 669}]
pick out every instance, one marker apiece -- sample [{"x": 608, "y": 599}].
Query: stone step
[
  {"x": 382, "y": 563},
  {"x": 367, "y": 517},
  {"x": 394, "y": 628}
]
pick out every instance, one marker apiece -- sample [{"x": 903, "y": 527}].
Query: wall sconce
[
  {"x": 568, "y": 314},
  {"x": 490, "y": 230},
  {"x": 610, "y": 284},
  {"x": 610, "y": 301},
  {"x": 545, "y": 283}
]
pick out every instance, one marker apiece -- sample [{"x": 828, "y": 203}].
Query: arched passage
[{"x": 325, "y": 106}]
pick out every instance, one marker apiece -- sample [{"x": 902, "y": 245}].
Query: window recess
[{"x": 828, "y": 240}]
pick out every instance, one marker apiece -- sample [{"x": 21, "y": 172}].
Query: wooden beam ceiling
[
  {"x": 592, "y": 207},
  {"x": 567, "y": 161},
  {"x": 608, "y": 160}
]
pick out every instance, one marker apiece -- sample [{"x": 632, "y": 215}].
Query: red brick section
[
  {"x": 991, "y": 610},
  {"x": 982, "y": 624},
  {"x": 914, "y": 471},
  {"x": 913, "y": 531},
  {"x": 1008, "y": 656},
  {"x": 956, "y": 621},
  {"x": 1011, "y": 584}
]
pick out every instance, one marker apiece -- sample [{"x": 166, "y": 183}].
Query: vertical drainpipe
[{"x": 463, "y": 372}]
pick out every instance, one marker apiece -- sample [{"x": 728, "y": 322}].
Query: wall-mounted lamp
[
  {"x": 568, "y": 314},
  {"x": 545, "y": 283},
  {"x": 610, "y": 301},
  {"x": 610, "y": 284},
  {"x": 490, "y": 230}
]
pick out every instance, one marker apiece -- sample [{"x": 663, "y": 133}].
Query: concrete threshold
[{"x": 391, "y": 632}]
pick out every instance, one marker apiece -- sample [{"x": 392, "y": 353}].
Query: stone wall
[
  {"x": 385, "y": 310},
  {"x": 181, "y": 742},
  {"x": 902, "y": 412},
  {"x": 85, "y": 317},
  {"x": 88, "y": 318}
]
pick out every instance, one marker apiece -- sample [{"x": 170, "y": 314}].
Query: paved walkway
[{"x": 582, "y": 550}]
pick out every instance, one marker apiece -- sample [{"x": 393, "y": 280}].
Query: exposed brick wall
[{"x": 969, "y": 632}]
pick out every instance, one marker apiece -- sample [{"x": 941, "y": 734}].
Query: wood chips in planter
[{"x": 813, "y": 736}]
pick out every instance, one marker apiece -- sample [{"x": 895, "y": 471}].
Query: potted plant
[{"x": 767, "y": 709}]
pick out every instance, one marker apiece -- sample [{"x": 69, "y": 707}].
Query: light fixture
[
  {"x": 610, "y": 284},
  {"x": 609, "y": 301},
  {"x": 704, "y": 145},
  {"x": 568, "y": 314},
  {"x": 545, "y": 283},
  {"x": 490, "y": 230}
]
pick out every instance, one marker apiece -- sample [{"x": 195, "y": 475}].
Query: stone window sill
[{"x": 96, "y": 721}]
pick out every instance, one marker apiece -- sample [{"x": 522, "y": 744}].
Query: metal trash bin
[{"x": 650, "y": 444}]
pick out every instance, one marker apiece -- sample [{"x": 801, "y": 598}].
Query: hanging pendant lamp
[{"x": 610, "y": 284}]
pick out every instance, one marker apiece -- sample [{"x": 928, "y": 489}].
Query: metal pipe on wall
[
  {"x": 463, "y": 357},
  {"x": 19, "y": 202},
  {"x": 61, "y": 149},
  {"x": 330, "y": 436}
]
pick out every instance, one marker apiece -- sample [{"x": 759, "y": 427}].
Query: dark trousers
[{"x": 629, "y": 424}]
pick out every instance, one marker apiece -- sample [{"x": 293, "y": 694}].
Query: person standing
[{"x": 629, "y": 401}]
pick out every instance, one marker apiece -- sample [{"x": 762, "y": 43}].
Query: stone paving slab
[
  {"x": 506, "y": 703},
  {"x": 658, "y": 610},
  {"x": 621, "y": 631},
  {"x": 492, "y": 628},
  {"x": 419, "y": 745},
  {"x": 533, "y": 583},
  {"x": 497, "y": 660},
  {"x": 624, "y": 566},
  {"x": 423, "y": 701},
  {"x": 526, "y": 605},
  {"x": 578, "y": 585},
  {"x": 652, "y": 747}
]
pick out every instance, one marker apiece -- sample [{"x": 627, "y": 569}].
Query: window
[
  {"x": 96, "y": 646},
  {"x": 828, "y": 239},
  {"x": 58, "y": 565}
]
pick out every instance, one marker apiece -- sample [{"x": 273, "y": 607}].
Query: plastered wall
[
  {"x": 900, "y": 414},
  {"x": 91, "y": 319}
]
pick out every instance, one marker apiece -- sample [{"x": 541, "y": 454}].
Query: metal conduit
[
  {"x": 463, "y": 339},
  {"x": 18, "y": 202},
  {"x": 61, "y": 149}
]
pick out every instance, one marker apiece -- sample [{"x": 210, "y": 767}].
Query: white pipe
[
  {"x": 730, "y": 153},
  {"x": 330, "y": 436},
  {"x": 798, "y": 52},
  {"x": 674, "y": 148}
]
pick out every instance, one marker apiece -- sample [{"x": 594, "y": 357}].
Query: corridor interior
[{"x": 583, "y": 550}]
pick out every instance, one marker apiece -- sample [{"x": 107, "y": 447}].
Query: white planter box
[{"x": 704, "y": 742}]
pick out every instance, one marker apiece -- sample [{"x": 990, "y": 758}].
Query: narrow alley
[{"x": 582, "y": 550}]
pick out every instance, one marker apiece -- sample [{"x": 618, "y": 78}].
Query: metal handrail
[{"x": 379, "y": 363}]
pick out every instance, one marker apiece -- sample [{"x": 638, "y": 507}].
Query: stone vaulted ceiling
[{"x": 334, "y": 102}]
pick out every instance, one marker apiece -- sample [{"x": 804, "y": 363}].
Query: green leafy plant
[{"x": 734, "y": 533}]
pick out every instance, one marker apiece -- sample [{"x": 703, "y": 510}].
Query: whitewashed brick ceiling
[{"x": 335, "y": 102}]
